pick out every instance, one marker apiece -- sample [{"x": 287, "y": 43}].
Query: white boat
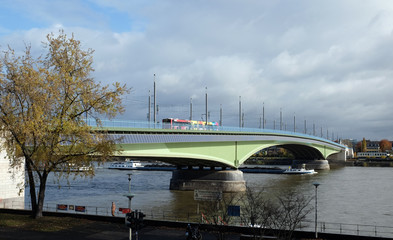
[
  {"x": 127, "y": 165},
  {"x": 299, "y": 171},
  {"x": 71, "y": 167}
]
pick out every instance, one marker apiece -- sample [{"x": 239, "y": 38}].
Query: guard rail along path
[{"x": 342, "y": 229}]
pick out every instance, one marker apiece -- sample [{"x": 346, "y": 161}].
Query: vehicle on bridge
[{"x": 175, "y": 123}]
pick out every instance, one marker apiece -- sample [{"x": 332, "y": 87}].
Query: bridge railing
[{"x": 159, "y": 125}]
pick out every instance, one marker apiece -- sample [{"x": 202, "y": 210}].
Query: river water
[{"x": 356, "y": 195}]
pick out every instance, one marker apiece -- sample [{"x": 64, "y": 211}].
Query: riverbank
[{"x": 369, "y": 163}]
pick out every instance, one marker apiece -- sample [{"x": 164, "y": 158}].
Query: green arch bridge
[
  {"x": 219, "y": 147},
  {"x": 222, "y": 147}
]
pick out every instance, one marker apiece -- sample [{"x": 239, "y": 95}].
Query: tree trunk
[
  {"x": 37, "y": 204},
  {"x": 33, "y": 198},
  {"x": 41, "y": 194}
]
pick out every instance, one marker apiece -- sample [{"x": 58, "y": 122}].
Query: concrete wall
[
  {"x": 340, "y": 156},
  {"x": 224, "y": 180},
  {"x": 12, "y": 183}
]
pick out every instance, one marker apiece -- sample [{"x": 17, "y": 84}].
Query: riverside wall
[{"x": 12, "y": 183}]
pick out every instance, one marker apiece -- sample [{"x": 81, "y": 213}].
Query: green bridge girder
[{"x": 221, "y": 153}]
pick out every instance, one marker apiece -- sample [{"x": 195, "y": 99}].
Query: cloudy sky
[{"x": 328, "y": 63}]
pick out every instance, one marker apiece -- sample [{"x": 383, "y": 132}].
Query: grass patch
[{"x": 43, "y": 224}]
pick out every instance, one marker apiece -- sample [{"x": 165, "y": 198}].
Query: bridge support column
[
  {"x": 341, "y": 157},
  {"x": 318, "y": 165},
  {"x": 314, "y": 164},
  {"x": 218, "y": 180}
]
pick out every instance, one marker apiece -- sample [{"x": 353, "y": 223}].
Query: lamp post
[
  {"x": 129, "y": 196},
  {"x": 316, "y": 208}
]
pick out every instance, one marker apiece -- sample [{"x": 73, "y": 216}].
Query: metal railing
[
  {"x": 349, "y": 229},
  {"x": 159, "y": 125},
  {"x": 159, "y": 214}
]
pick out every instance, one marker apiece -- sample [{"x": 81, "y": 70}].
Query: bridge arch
[
  {"x": 215, "y": 148},
  {"x": 219, "y": 154},
  {"x": 218, "y": 148},
  {"x": 303, "y": 152}
]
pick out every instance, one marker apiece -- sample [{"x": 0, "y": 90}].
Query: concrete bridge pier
[
  {"x": 318, "y": 165},
  {"x": 215, "y": 180},
  {"x": 314, "y": 164}
]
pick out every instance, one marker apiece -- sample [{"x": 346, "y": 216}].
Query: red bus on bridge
[{"x": 175, "y": 123}]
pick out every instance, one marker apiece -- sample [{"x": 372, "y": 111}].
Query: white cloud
[{"x": 326, "y": 62}]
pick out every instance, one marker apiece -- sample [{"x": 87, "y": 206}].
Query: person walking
[{"x": 113, "y": 208}]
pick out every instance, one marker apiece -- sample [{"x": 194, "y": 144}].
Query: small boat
[
  {"x": 136, "y": 165},
  {"x": 299, "y": 171},
  {"x": 127, "y": 165},
  {"x": 71, "y": 167}
]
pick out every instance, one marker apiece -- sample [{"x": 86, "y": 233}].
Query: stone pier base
[
  {"x": 315, "y": 164},
  {"x": 318, "y": 165},
  {"x": 216, "y": 180}
]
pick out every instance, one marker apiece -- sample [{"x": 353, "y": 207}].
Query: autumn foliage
[
  {"x": 385, "y": 145},
  {"x": 44, "y": 103}
]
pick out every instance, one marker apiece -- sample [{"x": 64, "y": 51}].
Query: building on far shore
[
  {"x": 372, "y": 146},
  {"x": 372, "y": 154},
  {"x": 12, "y": 183}
]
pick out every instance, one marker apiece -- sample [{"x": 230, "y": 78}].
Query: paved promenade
[
  {"x": 103, "y": 231},
  {"x": 103, "y": 227}
]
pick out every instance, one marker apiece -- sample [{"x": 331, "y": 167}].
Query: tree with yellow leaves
[
  {"x": 364, "y": 145},
  {"x": 44, "y": 104}
]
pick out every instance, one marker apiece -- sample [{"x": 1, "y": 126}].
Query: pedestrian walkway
[{"x": 103, "y": 231}]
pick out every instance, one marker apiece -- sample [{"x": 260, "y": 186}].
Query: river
[{"x": 356, "y": 195}]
